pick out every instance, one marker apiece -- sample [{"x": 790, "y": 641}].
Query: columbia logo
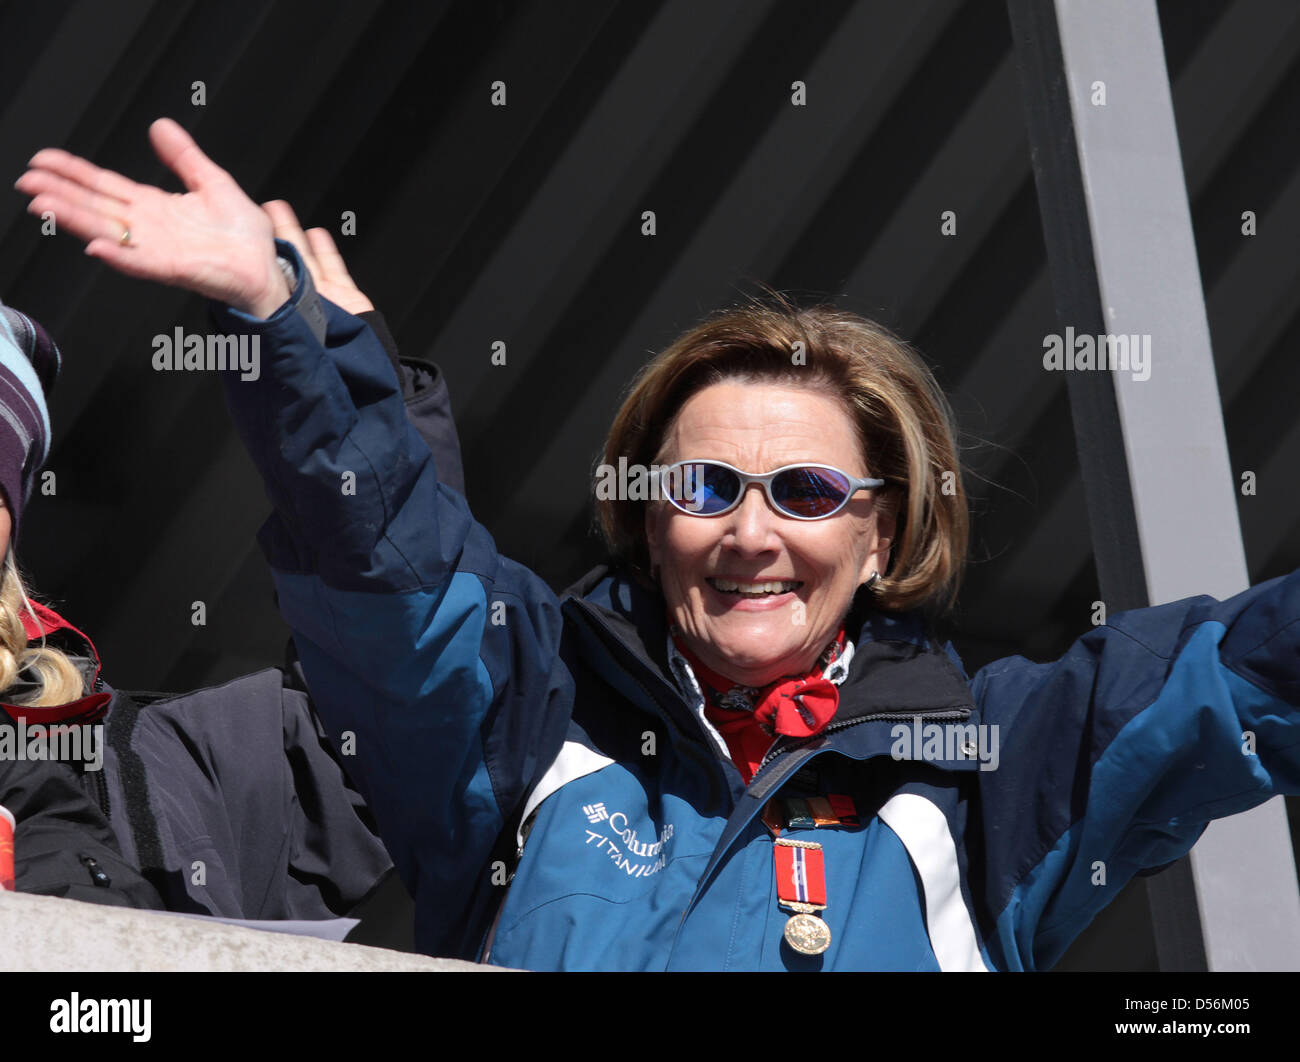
[{"x": 595, "y": 812}]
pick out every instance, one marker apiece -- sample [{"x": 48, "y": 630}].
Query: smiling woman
[
  {"x": 691, "y": 759},
  {"x": 766, "y": 387},
  {"x": 754, "y": 593},
  {"x": 867, "y": 379},
  {"x": 787, "y": 432}
]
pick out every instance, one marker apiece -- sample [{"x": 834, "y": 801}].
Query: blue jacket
[{"x": 483, "y": 709}]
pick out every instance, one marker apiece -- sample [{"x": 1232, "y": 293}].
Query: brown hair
[{"x": 904, "y": 422}]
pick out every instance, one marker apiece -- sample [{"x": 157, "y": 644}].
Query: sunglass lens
[
  {"x": 701, "y": 488},
  {"x": 810, "y": 491}
]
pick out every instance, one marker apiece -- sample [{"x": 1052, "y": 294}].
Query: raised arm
[
  {"x": 428, "y": 405},
  {"x": 431, "y": 658},
  {"x": 1114, "y": 758}
]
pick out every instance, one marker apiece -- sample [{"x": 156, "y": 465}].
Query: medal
[
  {"x": 807, "y": 934},
  {"x": 800, "y": 866},
  {"x": 801, "y": 888}
]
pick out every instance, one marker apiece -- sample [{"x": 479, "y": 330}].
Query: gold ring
[{"x": 126, "y": 236}]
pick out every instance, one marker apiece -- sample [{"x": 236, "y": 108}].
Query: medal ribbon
[
  {"x": 801, "y": 865},
  {"x": 800, "y": 875}
]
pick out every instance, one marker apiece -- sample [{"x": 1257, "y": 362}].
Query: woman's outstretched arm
[
  {"x": 1114, "y": 758},
  {"x": 432, "y": 659}
]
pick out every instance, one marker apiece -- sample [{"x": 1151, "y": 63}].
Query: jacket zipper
[
  {"x": 98, "y": 876},
  {"x": 779, "y": 747}
]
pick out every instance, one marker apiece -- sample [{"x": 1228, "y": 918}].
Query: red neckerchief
[
  {"x": 88, "y": 709},
  {"x": 798, "y": 706}
]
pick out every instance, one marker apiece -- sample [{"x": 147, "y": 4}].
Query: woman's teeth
[{"x": 726, "y": 586}]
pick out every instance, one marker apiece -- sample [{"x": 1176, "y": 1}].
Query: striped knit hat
[{"x": 29, "y": 365}]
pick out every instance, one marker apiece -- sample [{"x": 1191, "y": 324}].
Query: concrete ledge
[{"x": 44, "y": 933}]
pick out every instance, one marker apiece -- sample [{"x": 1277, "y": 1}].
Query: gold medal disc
[{"x": 808, "y": 934}]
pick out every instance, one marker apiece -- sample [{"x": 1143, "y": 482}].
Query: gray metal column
[{"x": 1161, "y": 493}]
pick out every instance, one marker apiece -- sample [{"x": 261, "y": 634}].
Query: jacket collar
[
  {"x": 897, "y": 669},
  {"x": 90, "y": 708}
]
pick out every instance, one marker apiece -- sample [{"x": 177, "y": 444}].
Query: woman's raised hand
[
  {"x": 212, "y": 240},
  {"x": 321, "y": 257}
]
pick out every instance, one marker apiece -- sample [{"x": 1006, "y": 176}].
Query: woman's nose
[{"x": 753, "y": 521}]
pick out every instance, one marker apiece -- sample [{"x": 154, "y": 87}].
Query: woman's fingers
[
  {"x": 320, "y": 256},
  {"x": 73, "y": 204},
  {"x": 85, "y": 200},
  {"x": 214, "y": 240},
  {"x": 334, "y": 276},
  {"x": 328, "y": 257},
  {"x": 285, "y": 223},
  {"x": 180, "y": 154},
  {"x": 79, "y": 171},
  {"x": 84, "y": 223}
]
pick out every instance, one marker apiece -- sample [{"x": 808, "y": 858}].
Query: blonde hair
[
  {"x": 905, "y": 426},
  {"x": 60, "y": 680}
]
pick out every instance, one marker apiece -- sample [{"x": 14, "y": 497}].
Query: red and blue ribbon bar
[{"x": 800, "y": 873}]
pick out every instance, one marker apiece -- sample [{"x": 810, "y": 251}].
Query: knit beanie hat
[{"x": 29, "y": 365}]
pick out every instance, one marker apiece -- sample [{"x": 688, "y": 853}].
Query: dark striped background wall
[{"x": 478, "y": 223}]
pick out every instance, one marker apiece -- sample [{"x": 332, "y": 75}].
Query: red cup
[{"x": 6, "y": 849}]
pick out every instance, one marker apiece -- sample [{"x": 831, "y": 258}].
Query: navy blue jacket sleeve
[
  {"x": 1114, "y": 758},
  {"x": 431, "y": 659},
  {"x": 428, "y": 404}
]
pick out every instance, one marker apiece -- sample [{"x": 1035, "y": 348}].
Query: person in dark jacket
[
  {"x": 738, "y": 746},
  {"x": 64, "y": 844}
]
